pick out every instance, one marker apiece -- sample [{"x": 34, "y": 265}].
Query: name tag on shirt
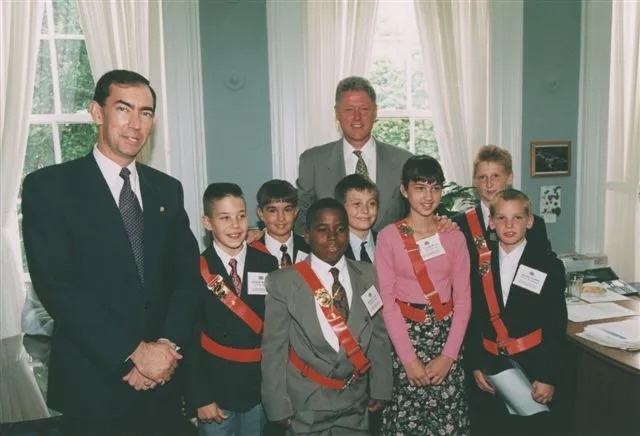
[
  {"x": 256, "y": 283},
  {"x": 372, "y": 300},
  {"x": 530, "y": 279},
  {"x": 430, "y": 247},
  {"x": 301, "y": 255}
]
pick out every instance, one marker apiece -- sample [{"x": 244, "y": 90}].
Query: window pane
[
  {"x": 426, "y": 139},
  {"x": 393, "y": 131},
  {"x": 388, "y": 79},
  {"x": 418, "y": 91},
  {"x": 76, "y": 82},
  {"x": 43, "y": 91},
  {"x": 65, "y": 17},
  {"x": 39, "y": 148},
  {"x": 76, "y": 140}
]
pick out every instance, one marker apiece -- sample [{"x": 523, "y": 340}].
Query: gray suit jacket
[
  {"x": 322, "y": 167},
  {"x": 291, "y": 321}
]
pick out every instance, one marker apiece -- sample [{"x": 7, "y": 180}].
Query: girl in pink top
[{"x": 428, "y": 392}]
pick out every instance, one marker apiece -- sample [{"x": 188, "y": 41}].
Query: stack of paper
[
  {"x": 588, "y": 312},
  {"x": 619, "y": 334}
]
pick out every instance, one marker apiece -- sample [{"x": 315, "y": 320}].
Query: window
[
  {"x": 60, "y": 128},
  {"x": 397, "y": 74}
]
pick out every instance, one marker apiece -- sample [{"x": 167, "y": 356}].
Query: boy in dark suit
[
  {"x": 277, "y": 209},
  {"x": 224, "y": 367},
  {"x": 522, "y": 316},
  {"x": 359, "y": 195},
  {"x": 326, "y": 353}
]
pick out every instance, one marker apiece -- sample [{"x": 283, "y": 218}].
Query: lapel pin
[{"x": 161, "y": 209}]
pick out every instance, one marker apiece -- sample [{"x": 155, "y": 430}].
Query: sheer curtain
[
  {"x": 20, "y": 398},
  {"x": 312, "y": 45},
  {"x": 622, "y": 207},
  {"x": 128, "y": 34},
  {"x": 473, "y": 58}
]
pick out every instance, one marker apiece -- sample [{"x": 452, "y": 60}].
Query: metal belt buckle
[
  {"x": 349, "y": 381},
  {"x": 484, "y": 268},
  {"x": 405, "y": 229},
  {"x": 480, "y": 242},
  {"x": 218, "y": 289}
]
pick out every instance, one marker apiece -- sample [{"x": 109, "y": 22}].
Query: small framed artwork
[{"x": 550, "y": 158}]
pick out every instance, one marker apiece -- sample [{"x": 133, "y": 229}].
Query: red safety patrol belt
[
  {"x": 351, "y": 347},
  {"x": 216, "y": 285},
  {"x": 260, "y": 246},
  {"x": 422, "y": 275},
  {"x": 504, "y": 345}
]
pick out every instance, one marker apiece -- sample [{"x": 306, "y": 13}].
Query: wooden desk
[{"x": 606, "y": 388}]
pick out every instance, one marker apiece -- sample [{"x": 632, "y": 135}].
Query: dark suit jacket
[
  {"x": 291, "y": 321},
  {"x": 83, "y": 271},
  {"x": 349, "y": 254},
  {"x": 299, "y": 244},
  {"x": 525, "y": 312},
  {"x": 322, "y": 167},
  {"x": 231, "y": 385}
]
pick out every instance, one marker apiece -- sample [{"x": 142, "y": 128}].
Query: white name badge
[
  {"x": 430, "y": 247},
  {"x": 529, "y": 279},
  {"x": 256, "y": 283},
  {"x": 301, "y": 255},
  {"x": 372, "y": 300}
]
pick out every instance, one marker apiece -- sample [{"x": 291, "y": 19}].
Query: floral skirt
[{"x": 427, "y": 410}]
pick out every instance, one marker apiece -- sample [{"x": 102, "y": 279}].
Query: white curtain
[
  {"x": 312, "y": 45},
  {"x": 473, "y": 58},
  {"x": 622, "y": 229},
  {"x": 591, "y": 150},
  {"x": 128, "y": 34},
  {"x": 20, "y": 398}
]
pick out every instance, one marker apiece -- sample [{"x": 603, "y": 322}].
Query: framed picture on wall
[{"x": 550, "y": 158}]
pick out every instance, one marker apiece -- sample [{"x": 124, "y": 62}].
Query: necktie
[
  {"x": 235, "y": 278},
  {"x": 364, "y": 256},
  {"x": 285, "y": 260},
  {"x": 132, "y": 218},
  {"x": 361, "y": 167},
  {"x": 340, "y": 302}
]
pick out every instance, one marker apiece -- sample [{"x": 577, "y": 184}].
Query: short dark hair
[
  {"x": 120, "y": 77},
  {"x": 356, "y": 182},
  {"x": 510, "y": 194},
  {"x": 218, "y": 191},
  {"x": 277, "y": 190},
  {"x": 323, "y": 204},
  {"x": 355, "y": 83},
  {"x": 422, "y": 168}
]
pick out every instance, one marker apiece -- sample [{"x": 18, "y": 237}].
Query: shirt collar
[
  {"x": 514, "y": 255},
  {"x": 485, "y": 214},
  {"x": 355, "y": 241},
  {"x": 274, "y": 246},
  {"x": 110, "y": 169},
  {"x": 324, "y": 267},
  {"x": 367, "y": 149},
  {"x": 225, "y": 257}
]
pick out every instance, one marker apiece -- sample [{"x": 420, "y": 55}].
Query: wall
[
  {"x": 551, "y": 67},
  {"x": 233, "y": 36}
]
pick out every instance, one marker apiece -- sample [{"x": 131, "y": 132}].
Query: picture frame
[{"x": 550, "y": 158}]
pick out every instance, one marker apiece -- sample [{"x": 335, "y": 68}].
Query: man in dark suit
[
  {"x": 322, "y": 167},
  {"x": 113, "y": 260}
]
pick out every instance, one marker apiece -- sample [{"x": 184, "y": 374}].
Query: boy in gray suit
[{"x": 325, "y": 352}]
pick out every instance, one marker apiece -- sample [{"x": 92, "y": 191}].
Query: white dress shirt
[
  {"x": 485, "y": 214},
  {"x": 356, "y": 243},
  {"x": 111, "y": 173},
  {"x": 368, "y": 154},
  {"x": 225, "y": 258},
  {"x": 321, "y": 269},
  {"x": 508, "y": 267},
  {"x": 274, "y": 246}
]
